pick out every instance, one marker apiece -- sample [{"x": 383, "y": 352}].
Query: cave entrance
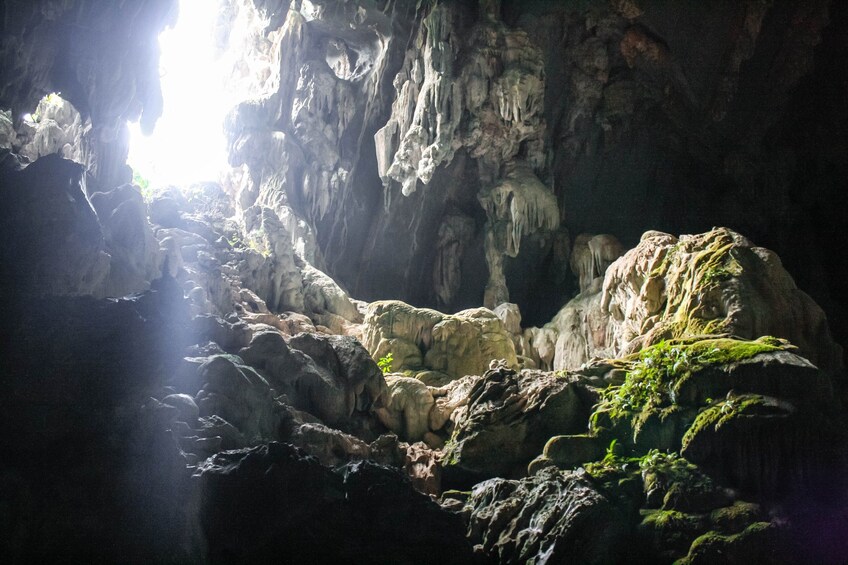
[{"x": 188, "y": 143}]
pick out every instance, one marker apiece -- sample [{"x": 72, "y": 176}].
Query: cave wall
[
  {"x": 633, "y": 115},
  {"x": 101, "y": 56},
  {"x": 386, "y": 135}
]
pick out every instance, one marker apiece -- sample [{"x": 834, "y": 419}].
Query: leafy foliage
[
  {"x": 385, "y": 363},
  {"x": 672, "y": 468},
  {"x": 143, "y": 185},
  {"x": 647, "y": 384}
]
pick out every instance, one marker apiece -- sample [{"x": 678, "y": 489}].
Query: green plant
[
  {"x": 672, "y": 467},
  {"x": 143, "y": 186},
  {"x": 385, "y": 363},
  {"x": 613, "y": 462},
  {"x": 647, "y": 384}
]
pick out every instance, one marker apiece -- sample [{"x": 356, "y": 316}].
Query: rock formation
[
  {"x": 712, "y": 283},
  {"x": 405, "y": 326}
]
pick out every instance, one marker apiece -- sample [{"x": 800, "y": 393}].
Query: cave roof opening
[{"x": 188, "y": 143}]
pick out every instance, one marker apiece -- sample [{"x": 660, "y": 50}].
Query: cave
[{"x": 392, "y": 281}]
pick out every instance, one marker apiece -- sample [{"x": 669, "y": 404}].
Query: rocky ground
[{"x": 193, "y": 421}]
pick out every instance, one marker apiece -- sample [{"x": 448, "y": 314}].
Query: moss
[
  {"x": 694, "y": 271},
  {"x": 460, "y": 495},
  {"x": 662, "y": 269},
  {"x": 670, "y": 532},
  {"x": 735, "y": 518},
  {"x": 671, "y": 520},
  {"x": 450, "y": 452},
  {"x": 721, "y": 413},
  {"x": 656, "y": 373},
  {"x": 753, "y": 543}
]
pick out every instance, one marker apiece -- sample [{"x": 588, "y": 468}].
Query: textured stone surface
[
  {"x": 52, "y": 241},
  {"x": 273, "y": 500},
  {"x": 552, "y": 517},
  {"x": 330, "y": 377},
  {"x": 87, "y": 451},
  {"x": 712, "y": 283},
  {"x": 102, "y": 57},
  {"x": 135, "y": 255},
  {"x": 422, "y": 339},
  {"x": 507, "y": 420}
]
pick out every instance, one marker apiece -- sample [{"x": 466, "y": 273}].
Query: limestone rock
[
  {"x": 271, "y": 500},
  {"x": 517, "y": 207},
  {"x": 268, "y": 266},
  {"x": 457, "y": 345},
  {"x": 504, "y": 99},
  {"x": 591, "y": 255},
  {"x": 229, "y": 335},
  {"x": 165, "y": 211},
  {"x": 185, "y": 405},
  {"x": 331, "y": 447},
  {"x": 423, "y": 468},
  {"x": 110, "y": 453},
  {"x": 239, "y": 395},
  {"x": 762, "y": 444},
  {"x": 712, "y": 283},
  {"x": 551, "y": 517},
  {"x": 451, "y": 400},
  {"x": 53, "y": 243},
  {"x": 330, "y": 377},
  {"x": 110, "y": 78},
  {"x": 55, "y": 127},
  {"x": 508, "y": 419},
  {"x": 406, "y": 410},
  {"x": 321, "y": 295},
  {"x": 510, "y": 315},
  {"x": 136, "y": 259},
  {"x": 8, "y": 136}
]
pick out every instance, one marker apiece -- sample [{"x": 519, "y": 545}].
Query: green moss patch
[
  {"x": 755, "y": 544},
  {"x": 735, "y": 518},
  {"x": 656, "y": 373},
  {"x": 721, "y": 413}
]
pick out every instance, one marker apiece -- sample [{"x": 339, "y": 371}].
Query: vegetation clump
[
  {"x": 721, "y": 413},
  {"x": 385, "y": 363},
  {"x": 655, "y": 375},
  {"x": 143, "y": 185}
]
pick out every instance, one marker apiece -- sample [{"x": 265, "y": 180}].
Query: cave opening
[{"x": 188, "y": 144}]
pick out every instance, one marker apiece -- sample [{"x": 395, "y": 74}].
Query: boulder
[
  {"x": 554, "y": 517},
  {"x": 136, "y": 258},
  {"x": 52, "y": 241},
  {"x": 332, "y": 377},
  {"x": 507, "y": 421},
  {"x": 258, "y": 504},
  {"x": 715, "y": 283},
  {"x": 239, "y": 395},
  {"x": 765, "y": 445},
  {"x": 407, "y": 408},
  {"x": 457, "y": 345}
]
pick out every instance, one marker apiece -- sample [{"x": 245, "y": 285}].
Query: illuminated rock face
[
  {"x": 667, "y": 288},
  {"x": 333, "y": 95},
  {"x": 441, "y": 156}
]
